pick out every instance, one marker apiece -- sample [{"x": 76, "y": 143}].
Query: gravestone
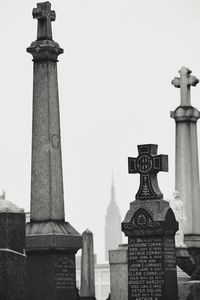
[
  {"x": 12, "y": 247},
  {"x": 150, "y": 225},
  {"x": 87, "y": 290},
  {"x": 51, "y": 243}
]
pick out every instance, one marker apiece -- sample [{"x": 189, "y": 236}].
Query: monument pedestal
[
  {"x": 51, "y": 249},
  {"x": 150, "y": 226}
]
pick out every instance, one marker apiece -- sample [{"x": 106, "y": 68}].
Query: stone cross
[
  {"x": 45, "y": 16},
  {"x": 184, "y": 82},
  {"x": 148, "y": 164}
]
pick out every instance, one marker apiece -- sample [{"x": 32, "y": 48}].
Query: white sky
[{"x": 115, "y": 93}]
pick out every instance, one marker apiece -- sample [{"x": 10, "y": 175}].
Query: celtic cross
[
  {"x": 148, "y": 164},
  {"x": 45, "y": 16},
  {"x": 184, "y": 82}
]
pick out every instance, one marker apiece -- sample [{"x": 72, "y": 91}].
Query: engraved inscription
[
  {"x": 145, "y": 268},
  {"x": 65, "y": 274},
  {"x": 169, "y": 254}
]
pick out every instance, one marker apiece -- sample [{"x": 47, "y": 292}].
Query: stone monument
[
  {"x": 187, "y": 166},
  {"x": 51, "y": 243},
  {"x": 87, "y": 290},
  {"x": 12, "y": 248},
  {"x": 150, "y": 225}
]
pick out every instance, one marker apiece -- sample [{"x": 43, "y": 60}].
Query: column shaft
[{"x": 47, "y": 201}]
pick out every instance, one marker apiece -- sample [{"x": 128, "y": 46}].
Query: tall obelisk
[
  {"x": 187, "y": 166},
  {"x": 51, "y": 243}
]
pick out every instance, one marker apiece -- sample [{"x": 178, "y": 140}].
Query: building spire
[{"x": 112, "y": 188}]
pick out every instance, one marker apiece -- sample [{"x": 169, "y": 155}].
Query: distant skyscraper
[{"x": 113, "y": 235}]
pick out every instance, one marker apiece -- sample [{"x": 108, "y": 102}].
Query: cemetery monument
[
  {"x": 87, "y": 290},
  {"x": 187, "y": 166},
  {"x": 150, "y": 225},
  {"x": 51, "y": 243}
]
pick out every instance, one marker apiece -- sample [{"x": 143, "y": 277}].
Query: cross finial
[
  {"x": 184, "y": 82},
  {"x": 148, "y": 164},
  {"x": 45, "y": 16}
]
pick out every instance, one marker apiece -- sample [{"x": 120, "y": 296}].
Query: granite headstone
[{"x": 150, "y": 225}]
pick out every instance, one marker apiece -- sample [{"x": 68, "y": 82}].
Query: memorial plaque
[
  {"x": 65, "y": 274},
  {"x": 145, "y": 268}
]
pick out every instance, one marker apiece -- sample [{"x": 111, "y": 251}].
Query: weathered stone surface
[
  {"x": 150, "y": 225},
  {"x": 52, "y": 275},
  {"x": 87, "y": 290},
  {"x": 187, "y": 167},
  {"x": 12, "y": 231},
  {"x": 47, "y": 201},
  {"x": 51, "y": 243},
  {"x": 118, "y": 260},
  {"x": 12, "y": 275},
  {"x": 189, "y": 290},
  {"x": 184, "y": 83},
  {"x": 12, "y": 258},
  {"x": 148, "y": 164}
]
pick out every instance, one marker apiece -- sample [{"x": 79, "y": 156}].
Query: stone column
[
  {"x": 87, "y": 290},
  {"x": 187, "y": 166},
  {"x": 51, "y": 243}
]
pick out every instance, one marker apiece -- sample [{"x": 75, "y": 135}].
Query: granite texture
[
  {"x": 189, "y": 290},
  {"x": 12, "y": 258},
  {"x": 150, "y": 226},
  {"x": 12, "y": 276},
  {"x": 52, "y": 235},
  {"x": 47, "y": 200},
  {"x": 51, "y": 275},
  {"x": 12, "y": 231},
  {"x": 51, "y": 243},
  {"x": 87, "y": 290},
  {"x": 118, "y": 260}
]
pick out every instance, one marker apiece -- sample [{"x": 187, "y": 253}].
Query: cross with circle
[{"x": 148, "y": 164}]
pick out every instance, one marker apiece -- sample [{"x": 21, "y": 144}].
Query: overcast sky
[{"x": 115, "y": 93}]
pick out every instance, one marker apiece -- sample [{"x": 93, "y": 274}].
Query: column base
[
  {"x": 51, "y": 269},
  {"x": 58, "y": 235},
  {"x": 192, "y": 240}
]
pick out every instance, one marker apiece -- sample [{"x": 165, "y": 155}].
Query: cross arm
[
  {"x": 160, "y": 163},
  {"x": 132, "y": 168}
]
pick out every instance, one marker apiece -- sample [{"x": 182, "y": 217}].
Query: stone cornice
[
  {"x": 185, "y": 114},
  {"x": 45, "y": 50}
]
